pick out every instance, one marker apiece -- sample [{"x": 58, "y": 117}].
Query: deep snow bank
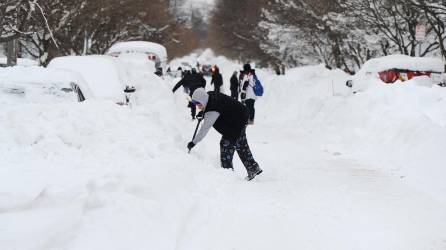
[
  {"x": 94, "y": 174},
  {"x": 400, "y": 128}
]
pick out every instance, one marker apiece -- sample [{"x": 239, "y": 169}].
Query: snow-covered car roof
[
  {"x": 403, "y": 62},
  {"x": 137, "y": 61},
  {"x": 35, "y": 85},
  {"x": 139, "y": 47},
  {"x": 98, "y": 76}
]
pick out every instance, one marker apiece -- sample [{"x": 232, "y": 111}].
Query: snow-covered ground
[{"x": 341, "y": 170}]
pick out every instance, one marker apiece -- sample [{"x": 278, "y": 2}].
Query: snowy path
[{"x": 309, "y": 198}]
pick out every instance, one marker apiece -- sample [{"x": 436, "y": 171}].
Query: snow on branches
[{"x": 345, "y": 34}]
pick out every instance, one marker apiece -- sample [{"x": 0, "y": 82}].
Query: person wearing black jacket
[
  {"x": 235, "y": 86},
  {"x": 191, "y": 81},
  {"x": 217, "y": 79},
  {"x": 229, "y": 117}
]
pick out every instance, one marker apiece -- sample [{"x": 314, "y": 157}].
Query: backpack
[{"x": 258, "y": 88}]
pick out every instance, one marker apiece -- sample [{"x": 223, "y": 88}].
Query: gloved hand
[
  {"x": 200, "y": 115},
  {"x": 243, "y": 96},
  {"x": 190, "y": 145}
]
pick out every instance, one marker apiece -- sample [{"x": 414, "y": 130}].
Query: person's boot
[
  {"x": 228, "y": 166},
  {"x": 253, "y": 172}
]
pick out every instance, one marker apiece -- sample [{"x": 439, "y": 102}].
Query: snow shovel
[{"x": 196, "y": 129}]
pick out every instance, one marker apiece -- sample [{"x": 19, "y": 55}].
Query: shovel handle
[{"x": 195, "y": 132}]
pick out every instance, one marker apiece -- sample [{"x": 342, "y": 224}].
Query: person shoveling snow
[{"x": 229, "y": 117}]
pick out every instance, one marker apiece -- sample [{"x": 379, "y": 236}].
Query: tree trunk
[{"x": 12, "y": 52}]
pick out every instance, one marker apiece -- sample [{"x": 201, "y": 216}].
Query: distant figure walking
[
  {"x": 235, "y": 86},
  {"x": 247, "y": 95},
  {"x": 217, "y": 79}
]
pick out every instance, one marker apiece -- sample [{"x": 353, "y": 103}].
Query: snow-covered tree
[
  {"x": 298, "y": 29},
  {"x": 435, "y": 15},
  {"x": 345, "y": 34},
  {"x": 15, "y": 16},
  {"x": 395, "y": 20}
]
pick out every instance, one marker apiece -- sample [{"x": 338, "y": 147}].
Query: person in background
[
  {"x": 217, "y": 79},
  {"x": 235, "y": 86},
  {"x": 247, "y": 91},
  {"x": 229, "y": 118},
  {"x": 191, "y": 81},
  {"x": 240, "y": 78},
  {"x": 181, "y": 72}
]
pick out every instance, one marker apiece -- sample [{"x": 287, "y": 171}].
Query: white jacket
[{"x": 250, "y": 88}]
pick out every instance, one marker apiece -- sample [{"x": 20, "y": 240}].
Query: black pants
[
  {"x": 251, "y": 110},
  {"x": 227, "y": 148},
  {"x": 234, "y": 94}
]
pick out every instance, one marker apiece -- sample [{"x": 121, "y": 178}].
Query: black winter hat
[{"x": 247, "y": 67}]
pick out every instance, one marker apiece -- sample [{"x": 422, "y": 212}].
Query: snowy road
[{"x": 311, "y": 198}]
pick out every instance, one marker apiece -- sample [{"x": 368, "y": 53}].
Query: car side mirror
[{"x": 349, "y": 83}]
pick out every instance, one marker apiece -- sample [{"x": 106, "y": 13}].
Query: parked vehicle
[
  {"x": 152, "y": 51},
  {"x": 206, "y": 69},
  {"x": 393, "y": 68},
  {"x": 96, "y": 77},
  {"x": 47, "y": 92}
]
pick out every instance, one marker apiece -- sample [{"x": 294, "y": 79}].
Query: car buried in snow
[
  {"x": 98, "y": 77},
  {"x": 398, "y": 68},
  {"x": 150, "y": 51},
  {"x": 21, "y": 91},
  {"x": 34, "y": 84},
  {"x": 206, "y": 69},
  {"x": 103, "y": 77}
]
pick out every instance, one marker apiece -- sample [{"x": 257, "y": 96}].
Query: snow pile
[
  {"x": 93, "y": 174},
  {"x": 400, "y": 128},
  {"x": 402, "y": 62}
]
